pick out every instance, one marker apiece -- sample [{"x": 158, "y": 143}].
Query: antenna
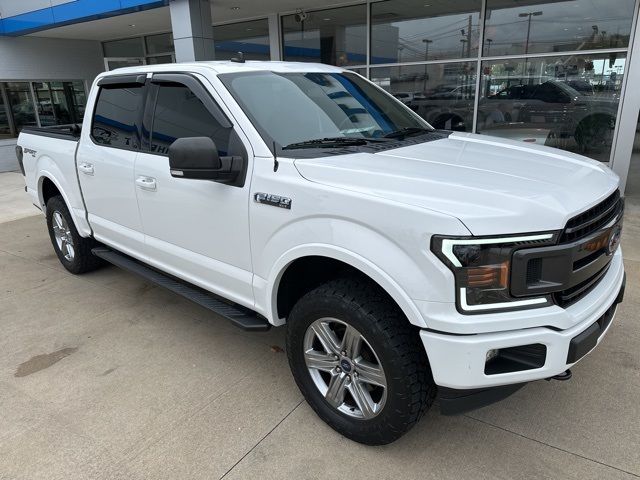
[{"x": 239, "y": 58}]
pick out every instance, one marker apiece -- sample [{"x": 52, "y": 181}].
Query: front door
[
  {"x": 197, "y": 230},
  {"x": 105, "y": 161}
]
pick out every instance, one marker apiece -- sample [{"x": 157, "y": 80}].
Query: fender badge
[{"x": 273, "y": 200}]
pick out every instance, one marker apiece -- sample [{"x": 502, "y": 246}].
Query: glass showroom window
[
  {"x": 59, "y": 103},
  {"x": 18, "y": 108},
  {"x": 443, "y": 93},
  {"x": 250, "y": 38},
  {"x": 129, "y": 52},
  {"x": 416, "y": 30},
  {"x": 568, "y": 102},
  {"x": 337, "y": 36},
  {"x": 542, "y": 27},
  {"x": 159, "y": 48}
]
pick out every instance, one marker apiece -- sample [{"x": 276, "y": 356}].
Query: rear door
[
  {"x": 105, "y": 161},
  {"x": 197, "y": 230}
]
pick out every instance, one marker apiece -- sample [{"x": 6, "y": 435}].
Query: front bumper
[{"x": 458, "y": 361}]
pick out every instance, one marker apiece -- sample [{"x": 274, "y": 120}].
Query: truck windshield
[{"x": 320, "y": 109}]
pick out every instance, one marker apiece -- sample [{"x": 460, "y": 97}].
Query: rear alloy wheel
[
  {"x": 62, "y": 235},
  {"x": 358, "y": 361},
  {"x": 73, "y": 251}
]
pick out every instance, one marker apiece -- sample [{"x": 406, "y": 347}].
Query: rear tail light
[{"x": 19, "y": 156}]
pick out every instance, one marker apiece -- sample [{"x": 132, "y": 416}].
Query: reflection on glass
[
  {"x": 21, "y": 104},
  {"x": 60, "y": 103},
  {"x": 415, "y": 30},
  {"x": 567, "y": 102},
  {"x": 5, "y": 127},
  {"x": 129, "y": 47},
  {"x": 121, "y": 63},
  {"x": 443, "y": 94},
  {"x": 159, "y": 59},
  {"x": 250, "y": 38},
  {"x": 337, "y": 36},
  {"x": 161, "y": 43},
  {"x": 536, "y": 27}
]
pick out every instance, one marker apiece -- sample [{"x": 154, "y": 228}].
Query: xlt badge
[{"x": 273, "y": 200}]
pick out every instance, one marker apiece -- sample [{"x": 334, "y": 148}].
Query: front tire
[
  {"x": 358, "y": 361},
  {"x": 73, "y": 251}
]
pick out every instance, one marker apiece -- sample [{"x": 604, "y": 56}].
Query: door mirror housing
[{"x": 197, "y": 158}]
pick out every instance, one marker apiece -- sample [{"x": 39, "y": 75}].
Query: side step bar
[{"x": 239, "y": 316}]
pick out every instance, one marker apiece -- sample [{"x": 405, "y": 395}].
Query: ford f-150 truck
[{"x": 406, "y": 263}]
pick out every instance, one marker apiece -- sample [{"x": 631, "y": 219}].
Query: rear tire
[
  {"x": 73, "y": 251},
  {"x": 372, "y": 389}
]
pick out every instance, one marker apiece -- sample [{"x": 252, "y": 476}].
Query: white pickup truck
[{"x": 407, "y": 263}]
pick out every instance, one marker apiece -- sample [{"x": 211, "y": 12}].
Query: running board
[{"x": 239, "y": 316}]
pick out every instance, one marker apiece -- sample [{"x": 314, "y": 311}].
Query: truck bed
[{"x": 49, "y": 162}]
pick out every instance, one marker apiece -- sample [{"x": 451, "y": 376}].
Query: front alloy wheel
[
  {"x": 358, "y": 361},
  {"x": 344, "y": 368}
]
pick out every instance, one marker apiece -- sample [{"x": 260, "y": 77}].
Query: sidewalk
[{"x": 14, "y": 202}]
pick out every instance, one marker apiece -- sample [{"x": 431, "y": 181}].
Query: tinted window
[
  {"x": 180, "y": 113},
  {"x": 116, "y": 116},
  {"x": 536, "y": 99},
  {"x": 336, "y": 36},
  {"x": 442, "y": 94},
  {"x": 250, "y": 38},
  {"x": 416, "y": 30},
  {"x": 534, "y": 26}
]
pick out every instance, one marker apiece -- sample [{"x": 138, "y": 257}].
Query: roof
[{"x": 228, "y": 66}]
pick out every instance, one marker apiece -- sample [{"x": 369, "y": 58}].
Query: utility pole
[
  {"x": 489, "y": 40},
  {"x": 529, "y": 15},
  {"x": 426, "y": 42}
]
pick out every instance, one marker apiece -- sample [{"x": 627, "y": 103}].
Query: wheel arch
[
  {"x": 48, "y": 185},
  {"x": 334, "y": 259}
]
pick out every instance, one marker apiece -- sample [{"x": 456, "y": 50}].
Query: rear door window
[{"x": 117, "y": 116}]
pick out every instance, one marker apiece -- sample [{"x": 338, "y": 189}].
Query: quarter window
[
  {"x": 115, "y": 120},
  {"x": 179, "y": 113}
]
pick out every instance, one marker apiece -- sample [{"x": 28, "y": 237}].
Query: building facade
[{"x": 555, "y": 72}]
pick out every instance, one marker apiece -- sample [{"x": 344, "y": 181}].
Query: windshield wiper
[
  {"x": 403, "y": 132},
  {"x": 327, "y": 143}
]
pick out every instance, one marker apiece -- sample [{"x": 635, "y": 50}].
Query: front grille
[
  {"x": 579, "y": 227},
  {"x": 593, "y": 219},
  {"x": 571, "y": 295}
]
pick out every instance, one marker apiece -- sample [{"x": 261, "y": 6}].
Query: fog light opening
[
  {"x": 491, "y": 354},
  {"x": 515, "y": 359}
]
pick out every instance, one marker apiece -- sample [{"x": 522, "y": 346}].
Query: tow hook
[{"x": 566, "y": 375}]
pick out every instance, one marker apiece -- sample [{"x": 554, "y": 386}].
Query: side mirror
[{"x": 197, "y": 158}]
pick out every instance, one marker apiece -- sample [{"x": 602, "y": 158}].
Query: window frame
[
  {"x": 195, "y": 86},
  {"x": 122, "y": 81}
]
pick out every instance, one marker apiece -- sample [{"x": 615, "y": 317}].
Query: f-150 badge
[{"x": 273, "y": 200}]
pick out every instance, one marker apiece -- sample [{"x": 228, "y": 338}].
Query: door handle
[
  {"x": 86, "y": 168},
  {"x": 146, "y": 183}
]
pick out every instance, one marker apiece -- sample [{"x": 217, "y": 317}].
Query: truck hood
[{"x": 493, "y": 186}]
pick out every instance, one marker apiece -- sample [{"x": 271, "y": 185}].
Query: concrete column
[
  {"x": 627, "y": 120},
  {"x": 274, "y": 36},
  {"x": 192, "y": 30}
]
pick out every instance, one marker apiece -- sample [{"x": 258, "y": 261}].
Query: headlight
[{"x": 482, "y": 270}]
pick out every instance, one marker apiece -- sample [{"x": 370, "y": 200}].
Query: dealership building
[{"x": 564, "y": 73}]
